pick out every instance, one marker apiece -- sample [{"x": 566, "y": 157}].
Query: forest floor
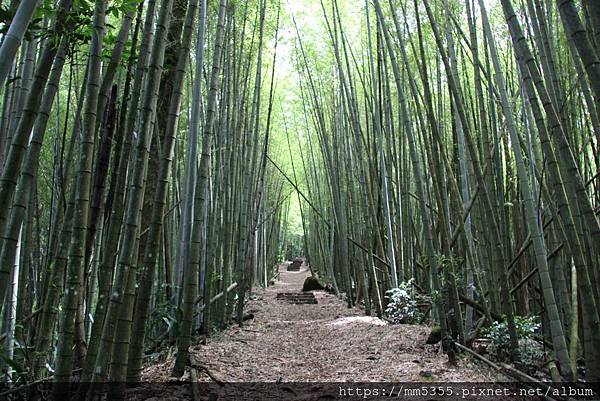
[{"x": 323, "y": 342}]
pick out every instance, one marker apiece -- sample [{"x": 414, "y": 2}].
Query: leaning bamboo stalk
[
  {"x": 126, "y": 258},
  {"x": 574, "y": 182},
  {"x": 558, "y": 337},
  {"x": 75, "y": 267},
  {"x": 152, "y": 244},
  {"x": 192, "y": 265},
  {"x": 215, "y": 298},
  {"x": 419, "y": 181},
  {"x": 19, "y": 144},
  {"x": 13, "y": 37}
]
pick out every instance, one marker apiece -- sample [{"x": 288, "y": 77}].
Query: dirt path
[{"x": 322, "y": 342}]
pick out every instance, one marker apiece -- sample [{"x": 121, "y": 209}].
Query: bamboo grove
[
  {"x": 151, "y": 155},
  {"x": 458, "y": 151},
  {"x": 134, "y": 159}
]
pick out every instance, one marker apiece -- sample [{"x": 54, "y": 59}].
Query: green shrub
[
  {"x": 402, "y": 305},
  {"x": 528, "y": 353}
]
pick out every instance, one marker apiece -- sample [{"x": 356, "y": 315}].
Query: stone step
[
  {"x": 297, "y": 297},
  {"x": 304, "y": 294}
]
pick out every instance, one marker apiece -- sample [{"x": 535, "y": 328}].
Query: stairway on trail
[
  {"x": 297, "y": 298},
  {"x": 291, "y": 276}
]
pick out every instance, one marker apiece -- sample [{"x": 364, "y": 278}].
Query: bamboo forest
[{"x": 195, "y": 193}]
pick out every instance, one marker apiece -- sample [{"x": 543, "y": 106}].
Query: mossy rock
[
  {"x": 312, "y": 284},
  {"x": 435, "y": 336}
]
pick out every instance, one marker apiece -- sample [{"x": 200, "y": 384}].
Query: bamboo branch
[{"x": 216, "y": 297}]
